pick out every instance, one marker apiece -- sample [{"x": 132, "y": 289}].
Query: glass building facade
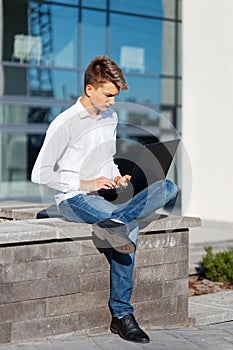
[{"x": 44, "y": 49}]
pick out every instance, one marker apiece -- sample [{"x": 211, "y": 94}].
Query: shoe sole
[
  {"x": 119, "y": 243},
  {"x": 115, "y": 331}
]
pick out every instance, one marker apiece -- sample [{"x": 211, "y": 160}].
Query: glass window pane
[
  {"x": 14, "y": 81},
  {"x": 146, "y": 7},
  {"x": 142, "y": 90},
  {"x": 64, "y": 36},
  {"x": 101, "y": 4},
  {"x": 65, "y": 84},
  {"x": 37, "y": 81},
  {"x": 45, "y": 35},
  {"x": 14, "y": 157},
  {"x": 136, "y": 43},
  {"x": 66, "y": 2},
  {"x": 20, "y": 143},
  {"x": 22, "y": 131},
  {"x": 93, "y": 41}
]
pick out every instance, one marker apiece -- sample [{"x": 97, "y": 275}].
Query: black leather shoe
[
  {"x": 116, "y": 234},
  {"x": 128, "y": 329}
]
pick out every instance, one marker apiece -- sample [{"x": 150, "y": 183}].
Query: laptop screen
[{"x": 153, "y": 163}]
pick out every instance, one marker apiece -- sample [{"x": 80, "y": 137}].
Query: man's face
[{"x": 102, "y": 97}]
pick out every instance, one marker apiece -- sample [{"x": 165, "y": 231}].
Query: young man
[{"x": 76, "y": 159}]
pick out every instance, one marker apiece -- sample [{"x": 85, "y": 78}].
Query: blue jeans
[{"x": 91, "y": 209}]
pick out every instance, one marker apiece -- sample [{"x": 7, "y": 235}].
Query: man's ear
[{"x": 89, "y": 89}]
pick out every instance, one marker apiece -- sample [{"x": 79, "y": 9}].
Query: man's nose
[{"x": 112, "y": 100}]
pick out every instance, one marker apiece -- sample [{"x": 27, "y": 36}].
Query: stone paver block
[
  {"x": 20, "y": 212},
  {"x": 81, "y": 344},
  {"x": 25, "y": 214},
  {"x": 207, "y": 314},
  {"x": 39, "y": 252},
  {"x": 37, "y": 329},
  {"x": 144, "y": 292},
  {"x": 64, "y": 228},
  {"x": 182, "y": 304},
  {"x": 5, "y": 333},
  {"x": 77, "y": 265},
  {"x": 7, "y": 206},
  {"x": 52, "y": 287},
  {"x": 175, "y": 254},
  {"x": 149, "y": 274},
  {"x": 107, "y": 343},
  {"x": 53, "y": 268},
  {"x": 221, "y": 299},
  {"x": 162, "y": 240},
  {"x": 175, "y": 271},
  {"x": 18, "y": 232},
  {"x": 169, "y": 340},
  {"x": 157, "y": 307},
  {"x": 169, "y": 223},
  {"x": 145, "y": 257},
  {"x": 175, "y": 288},
  {"x": 76, "y": 303},
  {"x": 23, "y": 310},
  {"x": 6, "y": 293}
]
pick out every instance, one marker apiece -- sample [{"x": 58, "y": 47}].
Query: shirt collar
[{"x": 83, "y": 113}]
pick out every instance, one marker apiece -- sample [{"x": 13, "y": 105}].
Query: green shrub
[{"x": 218, "y": 267}]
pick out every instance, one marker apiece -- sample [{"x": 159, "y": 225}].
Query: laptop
[{"x": 152, "y": 165}]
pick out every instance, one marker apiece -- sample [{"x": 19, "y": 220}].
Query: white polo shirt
[{"x": 77, "y": 147}]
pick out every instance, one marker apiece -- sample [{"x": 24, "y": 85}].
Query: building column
[{"x": 207, "y": 108}]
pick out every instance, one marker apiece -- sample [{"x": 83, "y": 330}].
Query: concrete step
[{"x": 211, "y": 308}]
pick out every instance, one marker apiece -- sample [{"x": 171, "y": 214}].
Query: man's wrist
[{"x": 116, "y": 179}]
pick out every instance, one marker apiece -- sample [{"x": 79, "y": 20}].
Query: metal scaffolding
[{"x": 40, "y": 81}]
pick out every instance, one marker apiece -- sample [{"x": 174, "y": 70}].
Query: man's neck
[{"x": 85, "y": 101}]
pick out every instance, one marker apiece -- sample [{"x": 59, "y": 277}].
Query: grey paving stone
[
  {"x": 165, "y": 340},
  {"x": 210, "y": 342},
  {"x": 226, "y": 328},
  {"x": 206, "y": 314},
  {"x": 19, "y": 347},
  {"x": 221, "y": 299},
  {"x": 115, "y": 343},
  {"x": 215, "y": 337},
  {"x": 168, "y": 223},
  {"x": 81, "y": 344},
  {"x": 208, "y": 337},
  {"x": 211, "y": 308}
]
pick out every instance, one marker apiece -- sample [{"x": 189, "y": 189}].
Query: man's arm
[
  {"x": 122, "y": 180},
  {"x": 97, "y": 184},
  {"x": 103, "y": 182},
  {"x": 44, "y": 172}
]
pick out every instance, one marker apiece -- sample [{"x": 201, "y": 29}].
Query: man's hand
[
  {"x": 122, "y": 181},
  {"x": 96, "y": 184}
]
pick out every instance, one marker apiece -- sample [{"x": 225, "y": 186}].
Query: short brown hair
[{"x": 102, "y": 70}]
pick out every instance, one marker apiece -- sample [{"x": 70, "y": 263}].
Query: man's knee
[
  {"x": 172, "y": 188},
  {"x": 172, "y": 193}
]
